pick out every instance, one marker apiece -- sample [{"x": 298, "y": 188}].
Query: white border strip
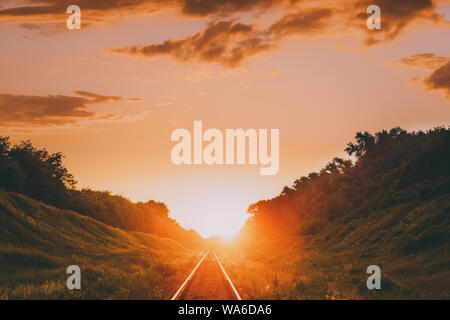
[
  {"x": 229, "y": 281},
  {"x": 181, "y": 288}
]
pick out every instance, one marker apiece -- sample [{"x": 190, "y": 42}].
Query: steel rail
[{"x": 180, "y": 290}]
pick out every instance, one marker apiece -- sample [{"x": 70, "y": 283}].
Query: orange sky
[{"x": 318, "y": 83}]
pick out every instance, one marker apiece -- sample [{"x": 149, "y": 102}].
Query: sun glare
[
  {"x": 222, "y": 223},
  {"x": 214, "y": 217}
]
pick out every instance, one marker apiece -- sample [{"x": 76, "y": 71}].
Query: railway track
[{"x": 208, "y": 281}]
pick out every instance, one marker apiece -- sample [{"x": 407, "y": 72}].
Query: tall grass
[
  {"x": 332, "y": 262},
  {"x": 38, "y": 242},
  {"x": 320, "y": 273}
]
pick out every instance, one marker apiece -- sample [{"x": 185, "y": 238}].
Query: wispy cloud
[
  {"x": 396, "y": 16},
  {"x": 230, "y": 43},
  {"x": 51, "y": 110},
  {"x": 427, "y": 61},
  {"x": 439, "y": 78},
  {"x": 224, "y": 42},
  {"x": 301, "y": 22}
]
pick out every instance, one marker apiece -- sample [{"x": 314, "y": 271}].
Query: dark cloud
[
  {"x": 46, "y": 7},
  {"x": 395, "y": 16},
  {"x": 218, "y": 42},
  {"x": 230, "y": 43},
  {"x": 439, "y": 78},
  {"x": 28, "y": 110},
  {"x": 188, "y": 7},
  {"x": 223, "y": 42},
  {"x": 93, "y": 11}
]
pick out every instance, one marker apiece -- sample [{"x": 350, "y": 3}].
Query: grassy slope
[
  {"x": 333, "y": 263},
  {"x": 390, "y": 208},
  {"x": 38, "y": 242}
]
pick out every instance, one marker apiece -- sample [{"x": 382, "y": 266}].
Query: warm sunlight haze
[{"x": 291, "y": 143}]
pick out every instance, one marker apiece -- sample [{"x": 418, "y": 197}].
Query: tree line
[
  {"x": 43, "y": 176},
  {"x": 386, "y": 170}
]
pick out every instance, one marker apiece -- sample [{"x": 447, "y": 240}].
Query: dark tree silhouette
[{"x": 393, "y": 169}]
